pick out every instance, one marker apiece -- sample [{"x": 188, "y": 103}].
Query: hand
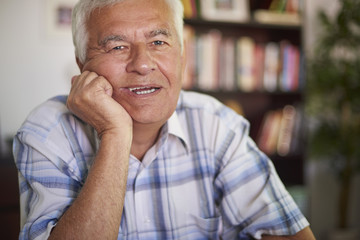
[{"x": 90, "y": 99}]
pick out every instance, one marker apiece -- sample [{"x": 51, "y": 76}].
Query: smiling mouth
[{"x": 143, "y": 90}]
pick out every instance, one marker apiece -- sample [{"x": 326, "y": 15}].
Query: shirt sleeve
[
  {"x": 46, "y": 191},
  {"x": 254, "y": 200},
  {"x": 52, "y": 153}
]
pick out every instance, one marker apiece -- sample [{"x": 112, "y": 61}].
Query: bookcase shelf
[
  {"x": 256, "y": 104},
  {"x": 259, "y": 32},
  {"x": 249, "y": 24}
]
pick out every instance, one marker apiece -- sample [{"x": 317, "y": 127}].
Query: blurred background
[{"x": 37, "y": 62}]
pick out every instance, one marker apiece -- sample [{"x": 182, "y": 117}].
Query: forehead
[{"x": 131, "y": 16}]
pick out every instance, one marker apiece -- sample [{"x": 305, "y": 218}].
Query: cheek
[
  {"x": 173, "y": 70},
  {"x": 106, "y": 67}
]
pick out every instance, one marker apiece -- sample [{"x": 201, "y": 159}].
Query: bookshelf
[{"x": 215, "y": 47}]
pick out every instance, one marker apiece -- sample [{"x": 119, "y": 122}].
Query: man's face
[{"x": 134, "y": 45}]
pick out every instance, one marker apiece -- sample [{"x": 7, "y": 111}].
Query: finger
[
  {"x": 84, "y": 79},
  {"x": 102, "y": 84},
  {"x": 108, "y": 88},
  {"x": 73, "y": 79}
]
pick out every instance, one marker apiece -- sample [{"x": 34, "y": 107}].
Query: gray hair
[{"x": 84, "y": 8}]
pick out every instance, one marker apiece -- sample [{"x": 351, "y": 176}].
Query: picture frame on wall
[
  {"x": 58, "y": 18},
  {"x": 226, "y": 10}
]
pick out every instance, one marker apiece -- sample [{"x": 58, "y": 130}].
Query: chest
[{"x": 173, "y": 197}]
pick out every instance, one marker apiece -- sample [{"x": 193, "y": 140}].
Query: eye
[
  {"x": 118, "y": 48},
  {"x": 158, "y": 42}
]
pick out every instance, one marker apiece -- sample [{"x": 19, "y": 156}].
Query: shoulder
[
  {"x": 196, "y": 100},
  {"x": 211, "y": 125},
  {"x": 208, "y": 109},
  {"x": 44, "y": 123},
  {"x": 51, "y": 127},
  {"x": 45, "y": 118},
  {"x": 52, "y": 132}
]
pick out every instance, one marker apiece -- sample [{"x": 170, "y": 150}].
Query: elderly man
[{"x": 128, "y": 155}]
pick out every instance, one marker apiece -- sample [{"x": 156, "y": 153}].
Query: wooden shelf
[{"x": 251, "y": 24}]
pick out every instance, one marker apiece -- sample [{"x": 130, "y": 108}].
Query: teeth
[
  {"x": 145, "y": 92},
  {"x": 137, "y": 88},
  {"x": 141, "y": 90}
]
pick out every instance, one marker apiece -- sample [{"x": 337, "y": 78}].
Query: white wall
[{"x": 34, "y": 65}]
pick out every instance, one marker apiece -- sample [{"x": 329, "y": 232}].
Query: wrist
[{"x": 116, "y": 136}]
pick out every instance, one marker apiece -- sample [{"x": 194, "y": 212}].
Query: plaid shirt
[{"x": 203, "y": 179}]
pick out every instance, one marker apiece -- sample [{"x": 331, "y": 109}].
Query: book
[
  {"x": 259, "y": 65},
  {"x": 289, "y": 70},
  {"x": 284, "y": 64},
  {"x": 296, "y": 71},
  {"x": 245, "y": 54},
  {"x": 286, "y": 130},
  {"x": 271, "y": 66},
  {"x": 191, "y": 8},
  {"x": 209, "y": 47},
  {"x": 227, "y": 65},
  {"x": 269, "y": 132},
  {"x": 194, "y": 8},
  {"x": 280, "y": 130},
  {"x": 188, "y": 11}
]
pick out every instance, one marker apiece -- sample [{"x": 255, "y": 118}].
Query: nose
[{"x": 141, "y": 60}]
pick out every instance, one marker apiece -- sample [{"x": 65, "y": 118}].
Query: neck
[{"x": 144, "y": 137}]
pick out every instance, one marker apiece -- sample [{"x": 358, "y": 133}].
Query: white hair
[{"x": 84, "y": 8}]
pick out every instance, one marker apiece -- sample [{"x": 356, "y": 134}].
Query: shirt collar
[
  {"x": 175, "y": 129},
  {"x": 172, "y": 128}
]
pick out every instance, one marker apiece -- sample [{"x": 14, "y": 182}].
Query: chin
[
  {"x": 156, "y": 118},
  {"x": 146, "y": 119}
]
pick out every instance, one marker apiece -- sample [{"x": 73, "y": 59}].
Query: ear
[{"x": 80, "y": 65}]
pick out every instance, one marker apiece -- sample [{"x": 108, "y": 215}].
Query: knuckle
[{"x": 92, "y": 75}]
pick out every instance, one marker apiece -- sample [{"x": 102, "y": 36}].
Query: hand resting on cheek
[{"x": 90, "y": 100}]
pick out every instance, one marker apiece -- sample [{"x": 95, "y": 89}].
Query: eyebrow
[
  {"x": 161, "y": 31},
  {"x": 118, "y": 38},
  {"x": 115, "y": 38}
]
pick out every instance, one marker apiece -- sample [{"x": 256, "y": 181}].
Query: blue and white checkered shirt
[{"x": 203, "y": 179}]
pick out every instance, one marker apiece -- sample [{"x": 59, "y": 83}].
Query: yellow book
[
  {"x": 187, "y": 8},
  {"x": 245, "y": 64}
]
